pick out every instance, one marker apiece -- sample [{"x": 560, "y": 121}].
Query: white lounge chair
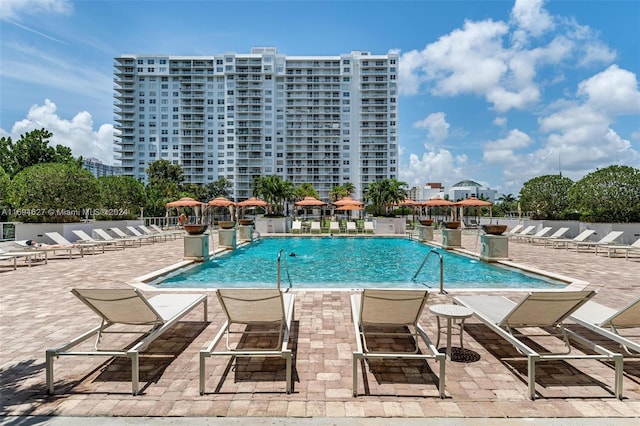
[
  {"x": 526, "y": 231},
  {"x": 30, "y": 256},
  {"x": 351, "y": 227},
  {"x": 368, "y": 227},
  {"x": 388, "y": 314},
  {"x": 334, "y": 227},
  {"x": 609, "y": 322},
  {"x": 126, "y": 307},
  {"x": 315, "y": 227},
  {"x": 161, "y": 234},
  {"x": 176, "y": 232},
  {"x": 564, "y": 242},
  {"x": 123, "y": 235},
  {"x": 88, "y": 239},
  {"x": 69, "y": 250},
  {"x": 248, "y": 309},
  {"x": 528, "y": 238},
  {"x": 514, "y": 230},
  {"x": 608, "y": 239},
  {"x": 628, "y": 249},
  {"x": 64, "y": 243},
  {"x": 106, "y": 237},
  {"x": 296, "y": 227},
  {"x": 541, "y": 309},
  {"x": 544, "y": 239},
  {"x": 136, "y": 233}
]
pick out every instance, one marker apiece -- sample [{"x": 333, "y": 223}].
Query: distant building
[
  {"x": 323, "y": 120},
  {"x": 427, "y": 192},
  {"x": 466, "y": 188},
  {"x": 98, "y": 168}
]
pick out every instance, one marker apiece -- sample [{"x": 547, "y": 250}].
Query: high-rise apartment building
[{"x": 324, "y": 120}]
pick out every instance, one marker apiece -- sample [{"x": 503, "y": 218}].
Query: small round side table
[{"x": 451, "y": 313}]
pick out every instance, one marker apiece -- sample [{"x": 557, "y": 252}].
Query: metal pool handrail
[
  {"x": 286, "y": 267},
  {"x": 442, "y": 290}
]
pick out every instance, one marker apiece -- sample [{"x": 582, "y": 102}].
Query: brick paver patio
[{"x": 37, "y": 311}]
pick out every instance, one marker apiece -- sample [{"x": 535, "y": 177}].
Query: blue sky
[{"x": 495, "y": 91}]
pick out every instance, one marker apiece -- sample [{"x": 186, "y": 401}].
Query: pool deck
[{"x": 37, "y": 312}]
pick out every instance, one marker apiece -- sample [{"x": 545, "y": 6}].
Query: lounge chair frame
[
  {"x": 148, "y": 312},
  {"x": 609, "y": 322},
  {"x": 264, "y": 313},
  {"x": 380, "y": 301},
  {"x": 503, "y": 316}
]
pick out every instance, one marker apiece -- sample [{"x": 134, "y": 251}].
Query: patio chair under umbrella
[{"x": 186, "y": 202}]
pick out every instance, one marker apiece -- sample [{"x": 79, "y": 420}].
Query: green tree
[
  {"x": 33, "y": 148},
  {"x": 546, "y": 196},
  {"x": 340, "y": 191},
  {"x": 163, "y": 171},
  {"x": 220, "y": 188},
  {"x": 275, "y": 191},
  {"x": 4, "y": 194},
  {"x": 306, "y": 190},
  {"x": 611, "y": 194},
  {"x": 385, "y": 192},
  {"x": 53, "y": 192},
  {"x": 122, "y": 197},
  {"x": 164, "y": 185}
]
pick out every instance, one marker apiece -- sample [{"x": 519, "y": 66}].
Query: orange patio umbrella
[
  {"x": 473, "y": 201},
  {"x": 437, "y": 202},
  {"x": 251, "y": 202},
  {"x": 221, "y": 202},
  {"x": 344, "y": 201},
  {"x": 185, "y": 202},
  {"x": 310, "y": 202}
]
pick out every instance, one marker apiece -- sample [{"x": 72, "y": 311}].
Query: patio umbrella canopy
[
  {"x": 310, "y": 202},
  {"x": 221, "y": 202},
  {"x": 475, "y": 202},
  {"x": 345, "y": 201},
  {"x": 251, "y": 202},
  {"x": 437, "y": 202},
  {"x": 184, "y": 202}
]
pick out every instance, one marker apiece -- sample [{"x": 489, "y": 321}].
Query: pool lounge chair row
[
  {"x": 581, "y": 242},
  {"x": 255, "y": 317},
  {"x": 298, "y": 227}
]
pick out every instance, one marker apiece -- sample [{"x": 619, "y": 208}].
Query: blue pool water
[{"x": 347, "y": 263}]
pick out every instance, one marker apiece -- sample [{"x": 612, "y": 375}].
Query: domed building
[{"x": 466, "y": 188}]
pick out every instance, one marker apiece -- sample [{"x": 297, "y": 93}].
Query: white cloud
[
  {"x": 613, "y": 91},
  {"x": 77, "y": 133},
  {"x": 17, "y": 9},
  {"x": 436, "y": 125},
  {"x": 530, "y": 19},
  {"x": 498, "y": 61},
  {"x": 434, "y": 166},
  {"x": 502, "y": 150}
]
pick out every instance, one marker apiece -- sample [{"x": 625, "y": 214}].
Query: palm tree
[
  {"x": 340, "y": 191},
  {"x": 306, "y": 190},
  {"x": 384, "y": 192},
  {"x": 274, "y": 191}
]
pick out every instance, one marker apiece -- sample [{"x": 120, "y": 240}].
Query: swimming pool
[{"x": 339, "y": 262}]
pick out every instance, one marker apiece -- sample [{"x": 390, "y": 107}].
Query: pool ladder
[
  {"x": 286, "y": 268},
  {"x": 442, "y": 290}
]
